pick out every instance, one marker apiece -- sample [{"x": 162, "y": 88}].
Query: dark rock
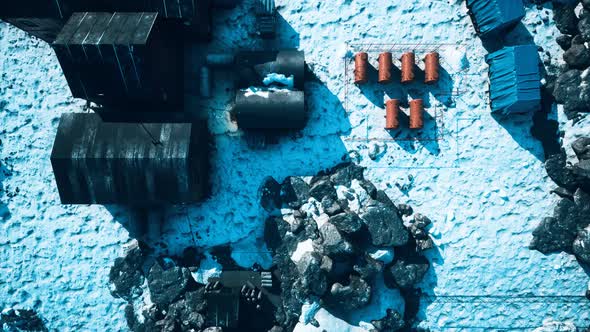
[
  {"x": 582, "y": 201},
  {"x": 586, "y": 4},
  {"x": 294, "y": 192},
  {"x": 424, "y": 244},
  {"x": 344, "y": 175},
  {"x": 192, "y": 257},
  {"x": 383, "y": 198},
  {"x": 392, "y": 322},
  {"x": 588, "y": 295},
  {"x": 565, "y": 19},
  {"x": 333, "y": 244},
  {"x": 222, "y": 254},
  {"x": 276, "y": 329},
  {"x": 331, "y": 205},
  {"x": 323, "y": 188},
  {"x": 312, "y": 278},
  {"x": 405, "y": 209},
  {"x": 384, "y": 225},
  {"x": 181, "y": 314},
  {"x": 353, "y": 296},
  {"x": 270, "y": 194},
  {"x": 126, "y": 277},
  {"x": 577, "y": 40},
  {"x": 421, "y": 221},
  {"x": 21, "y": 320},
  {"x": 577, "y": 57},
  {"x": 581, "y": 147},
  {"x": 563, "y": 193},
  {"x": 559, "y": 172},
  {"x": 570, "y": 92},
  {"x": 195, "y": 300},
  {"x": 581, "y": 246},
  {"x": 213, "y": 329},
  {"x": 582, "y": 172},
  {"x": 167, "y": 285},
  {"x": 584, "y": 27},
  {"x": 369, "y": 188},
  {"x": 418, "y": 233},
  {"x": 367, "y": 267},
  {"x": 564, "y": 41},
  {"x": 405, "y": 273},
  {"x": 348, "y": 222},
  {"x": 555, "y": 234},
  {"x": 274, "y": 232}
]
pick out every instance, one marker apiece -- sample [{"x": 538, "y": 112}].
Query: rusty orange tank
[
  {"x": 416, "y": 114},
  {"x": 408, "y": 63},
  {"x": 431, "y": 68},
  {"x": 391, "y": 114},
  {"x": 385, "y": 64},
  {"x": 361, "y": 68}
]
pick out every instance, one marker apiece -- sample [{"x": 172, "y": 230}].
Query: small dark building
[
  {"x": 515, "y": 80},
  {"x": 492, "y": 17},
  {"x": 123, "y": 62},
  {"x": 98, "y": 162}
]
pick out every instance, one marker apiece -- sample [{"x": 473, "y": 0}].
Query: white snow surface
[{"x": 481, "y": 180}]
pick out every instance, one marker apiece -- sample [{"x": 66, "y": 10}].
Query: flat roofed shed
[
  {"x": 515, "y": 80},
  {"x": 491, "y": 17}
]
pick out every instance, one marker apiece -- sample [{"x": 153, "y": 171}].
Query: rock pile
[
  {"x": 332, "y": 234},
  {"x": 16, "y": 320},
  {"x": 569, "y": 228},
  {"x": 572, "y": 88}
]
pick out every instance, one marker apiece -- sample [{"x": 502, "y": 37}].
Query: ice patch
[
  {"x": 553, "y": 326},
  {"x": 384, "y": 255},
  {"x": 274, "y": 78},
  {"x": 209, "y": 268},
  {"x": 328, "y": 322},
  {"x": 308, "y": 311}
]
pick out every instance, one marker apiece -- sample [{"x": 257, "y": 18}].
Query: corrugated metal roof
[{"x": 494, "y": 16}]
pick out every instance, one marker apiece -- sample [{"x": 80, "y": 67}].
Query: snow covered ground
[{"x": 480, "y": 179}]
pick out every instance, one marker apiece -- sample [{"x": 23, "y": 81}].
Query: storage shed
[
  {"x": 491, "y": 17},
  {"x": 98, "y": 162},
  {"x": 515, "y": 79}
]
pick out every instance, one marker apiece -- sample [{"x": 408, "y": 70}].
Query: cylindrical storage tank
[
  {"x": 408, "y": 62},
  {"x": 361, "y": 68},
  {"x": 391, "y": 114},
  {"x": 416, "y": 114},
  {"x": 385, "y": 64},
  {"x": 431, "y": 68},
  {"x": 270, "y": 109}
]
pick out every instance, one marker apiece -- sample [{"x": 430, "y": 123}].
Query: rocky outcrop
[
  {"x": 16, "y": 320},
  {"x": 323, "y": 241}
]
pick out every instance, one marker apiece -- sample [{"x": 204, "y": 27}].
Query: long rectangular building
[{"x": 98, "y": 162}]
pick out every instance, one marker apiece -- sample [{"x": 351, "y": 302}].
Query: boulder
[
  {"x": 294, "y": 192},
  {"x": 323, "y": 188},
  {"x": 195, "y": 300},
  {"x": 582, "y": 172},
  {"x": 392, "y": 322},
  {"x": 581, "y": 245},
  {"x": 577, "y": 57},
  {"x": 584, "y": 27},
  {"x": 181, "y": 314},
  {"x": 312, "y": 279},
  {"x": 564, "y": 41},
  {"x": 384, "y": 225},
  {"x": 21, "y": 320},
  {"x": 424, "y": 244},
  {"x": 270, "y": 194},
  {"x": 125, "y": 276},
  {"x": 581, "y": 147},
  {"x": 331, "y": 205},
  {"x": 344, "y": 175},
  {"x": 406, "y": 272},
  {"x": 347, "y": 222},
  {"x": 167, "y": 285},
  {"x": 558, "y": 170},
  {"x": 369, "y": 188},
  {"x": 367, "y": 267},
  {"x": 333, "y": 244},
  {"x": 555, "y": 234},
  {"x": 565, "y": 19},
  {"x": 405, "y": 209},
  {"x": 421, "y": 221},
  {"x": 353, "y": 296},
  {"x": 570, "y": 92}
]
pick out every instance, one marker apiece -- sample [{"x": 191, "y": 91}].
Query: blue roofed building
[
  {"x": 515, "y": 80},
  {"x": 491, "y": 17}
]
